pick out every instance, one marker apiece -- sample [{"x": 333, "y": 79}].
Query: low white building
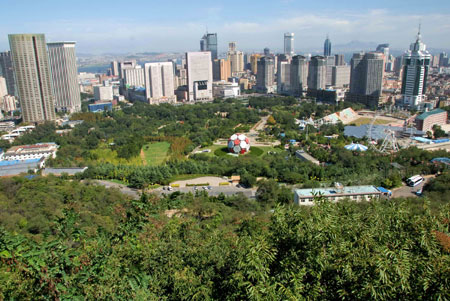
[
  {"x": 103, "y": 93},
  {"x": 34, "y": 151},
  {"x": 225, "y": 89}
]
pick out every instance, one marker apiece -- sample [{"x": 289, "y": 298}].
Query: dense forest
[{"x": 95, "y": 244}]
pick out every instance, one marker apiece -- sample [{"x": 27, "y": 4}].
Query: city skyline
[{"x": 86, "y": 23}]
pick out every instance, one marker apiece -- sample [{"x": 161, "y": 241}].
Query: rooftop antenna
[{"x": 420, "y": 27}]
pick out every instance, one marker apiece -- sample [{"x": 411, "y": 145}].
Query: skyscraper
[
  {"x": 331, "y": 62},
  {"x": 114, "y": 68},
  {"x": 299, "y": 74},
  {"x": 283, "y": 74},
  {"x": 200, "y": 77},
  {"x": 366, "y": 78},
  {"x": 63, "y": 65},
  {"x": 327, "y": 47},
  {"x": 209, "y": 43},
  {"x": 159, "y": 82},
  {"x": 30, "y": 61},
  {"x": 317, "y": 73},
  {"x": 416, "y": 62},
  {"x": 266, "y": 51},
  {"x": 236, "y": 58},
  {"x": 7, "y": 71},
  {"x": 254, "y": 58},
  {"x": 221, "y": 70},
  {"x": 289, "y": 43},
  {"x": 266, "y": 74},
  {"x": 339, "y": 59}
]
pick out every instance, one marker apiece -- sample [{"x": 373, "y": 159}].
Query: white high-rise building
[
  {"x": 200, "y": 76},
  {"x": 299, "y": 75},
  {"x": 3, "y": 88},
  {"x": 416, "y": 62},
  {"x": 34, "y": 83},
  {"x": 289, "y": 43},
  {"x": 134, "y": 77},
  {"x": 159, "y": 82},
  {"x": 63, "y": 64}
]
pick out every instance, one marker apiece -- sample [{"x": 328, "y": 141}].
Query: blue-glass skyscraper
[
  {"x": 327, "y": 47},
  {"x": 209, "y": 43}
]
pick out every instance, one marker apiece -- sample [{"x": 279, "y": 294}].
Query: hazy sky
[{"x": 177, "y": 25}]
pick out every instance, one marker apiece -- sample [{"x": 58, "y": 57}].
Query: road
[
  {"x": 133, "y": 193},
  {"x": 214, "y": 191},
  {"x": 405, "y": 191}
]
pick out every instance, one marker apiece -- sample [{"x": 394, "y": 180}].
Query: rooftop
[
  {"x": 333, "y": 191},
  {"x": 428, "y": 114}
]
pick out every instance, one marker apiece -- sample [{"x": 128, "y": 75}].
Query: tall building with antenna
[{"x": 416, "y": 62}]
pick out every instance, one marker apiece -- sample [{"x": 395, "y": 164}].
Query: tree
[{"x": 438, "y": 132}]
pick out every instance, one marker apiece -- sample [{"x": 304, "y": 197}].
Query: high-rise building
[
  {"x": 283, "y": 76},
  {"x": 299, "y": 75},
  {"x": 115, "y": 68},
  {"x": 317, "y": 73},
  {"x": 209, "y": 43},
  {"x": 327, "y": 47},
  {"x": 366, "y": 78},
  {"x": 340, "y": 76},
  {"x": 416, "y": 62},
  {"x": 7, "y": 71},
  {"x": 289, "y": 43},
  {"x": 3, "y": 89},
  {"x": 266, "y": 51},
  {"x": 331, "y": 61},
  {"x": 339, "y": 60},
  {"x": 103, "y": 93},
  {"x": 159, "y": 84},
  {"x": 126, "y": 65},
  {"x": 63, "y": 64},
  {"x": 133, "y": 77},
  {"x": 254, "y": 58},
  {"x": 443, "y": 59},
  {"x": 30, "y": 61},
  {"x": 236, "y": 58},
  {"x": 265, "y": 79},
  {"x": 200, "y": 77},
  {"x": 221, "y": 70}
]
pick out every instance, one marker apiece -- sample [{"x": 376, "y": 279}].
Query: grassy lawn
[
  {"x": 367, "y": 120},
  {"x": 155, "y": 153},
  {"x": 105, "y": 154},
  {"x": 255, "y": 151}
]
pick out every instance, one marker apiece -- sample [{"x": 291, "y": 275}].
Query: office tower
[
  {"x": 339, "y": 60},
  {"x": 236, "y": 58},
  {"x": 283, "y": 76},
  {"x": 384, "y": 49},
  {"x": 63, "y": 65},
  {"x": 115, "y": 68},
  {"x": 221, "y": 70},
  {"x": 265, "y": 78},
  {"x": 340, "y": 76},
  {"x": 266, "y": 51},
  {"x": 327, "y": 47},
  {"x": 200, "y": 77},
  {"x": 289, "y": 43},
  {"x": 254, "y": 58},
  {"x": 30, "y": 61},
  {"x": 416, "y": 62},
  {"x": 299, "y": 75},
  {"x": 331, "y": 60},
  {"x": 3, "y": 88},
  {"x": 126, "y": 65},
  {"x": 366, "y": 78},
  {"x": 7, "y": 71},
  {"x": 209, "y": 43},
  {"x": 398, "y": 65},
  {"x": 443, "y": 59},
  {"x": 317, "y": 73},
  {"x": 159, "y": 85},
  {"x": 133, "y": 77}
]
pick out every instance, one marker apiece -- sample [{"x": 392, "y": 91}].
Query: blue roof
[
  {"x": 441, "y": 160},
  {"x": 15, "y": 162},
  {"x": 383, "y": 190}
]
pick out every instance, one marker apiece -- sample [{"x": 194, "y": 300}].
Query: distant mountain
[{"x": 355, "y": 46}]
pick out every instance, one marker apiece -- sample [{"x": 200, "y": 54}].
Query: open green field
[
  {"x": 104, "y": 154},
  {"x": 367, "y": 120},
  {"x": 155, "y": 153}
]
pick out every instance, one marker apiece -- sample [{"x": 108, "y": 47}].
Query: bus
[{"x": 414, "y": 180}]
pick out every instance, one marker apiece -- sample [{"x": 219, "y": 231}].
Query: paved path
[
  {"x": 213, "y": 181},
  {"x": 214, "y": 191},
  {"x": 134, "y": 193},
  {"x": 406, "y": 191}
]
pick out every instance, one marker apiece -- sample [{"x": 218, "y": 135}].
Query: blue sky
[{"x": 147, "y": 25}]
